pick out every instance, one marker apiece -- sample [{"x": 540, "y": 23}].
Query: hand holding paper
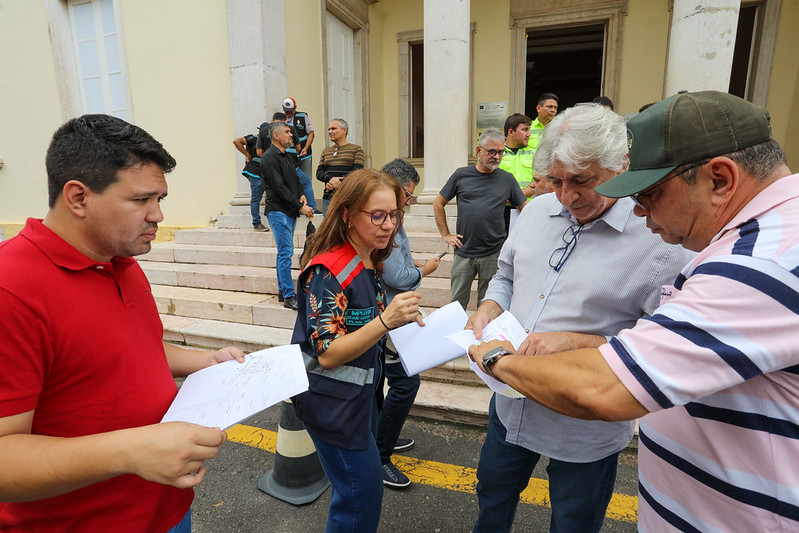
[
  {"x": 422, "y": 348},
  {"x": 224, "y": 394},
  {"x": 505, "y": 328}
]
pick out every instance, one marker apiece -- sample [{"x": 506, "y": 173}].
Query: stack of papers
[
  {"x": 443, "y": 339},
  {"x": 503, "y": 328},
  {"x": 225, "y": 394},
  {"x": 421, "y": 348}
]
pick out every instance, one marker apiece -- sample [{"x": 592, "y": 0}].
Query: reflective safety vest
[
  {"x": 520, "y": 164},
  {"x": 535, "y": 134},
  {"x": 338, "y": 403}
]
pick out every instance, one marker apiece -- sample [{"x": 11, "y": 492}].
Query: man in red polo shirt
[{"x": 86, "y": 377}]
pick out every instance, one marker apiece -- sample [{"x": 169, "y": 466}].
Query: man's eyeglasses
[
  {"x": 408, "y": 194},
  {"x": 560, "y": 255},
  {"x": 379, "y": 216},
  {"x": 637, "y": 197},
  {"x": 492, "y": 152}
]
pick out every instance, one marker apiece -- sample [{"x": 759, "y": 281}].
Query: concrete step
[
  {"x": 464, "y": 404},
  {"x": 171, "y": 252},
  {"x": 456, "y": 371},
  {"x": 415, "y": 208},
  {"x": 420, "y": 241},
  {"x": 222, "y": 277},
  {"x": 262, "y": 280},
  {"x": 411, "y": 222},
  {"x": 234, "y": 237},
  {"x": 215, "y": 334},
  {"x": 229, "y": 306}
]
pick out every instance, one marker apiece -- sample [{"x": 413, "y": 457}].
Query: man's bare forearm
[
  {"x": 579, "y": 384},
  {"x": 34, "y": 467},
  {"x": 440, "y": 215}
]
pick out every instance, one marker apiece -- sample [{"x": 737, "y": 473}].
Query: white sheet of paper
[
  {"x": 505, "y": 328},
  {"x": 223, "y": 395},
  {"x": 421, "y": 348}
]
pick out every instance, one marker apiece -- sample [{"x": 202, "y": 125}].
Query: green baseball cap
[{"x": 685, "y": 128}]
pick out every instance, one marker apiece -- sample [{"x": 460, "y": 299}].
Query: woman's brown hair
[{"x": 352, "y": 196}]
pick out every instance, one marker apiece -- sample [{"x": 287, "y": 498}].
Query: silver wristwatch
[{"x": 491, "y": 357}]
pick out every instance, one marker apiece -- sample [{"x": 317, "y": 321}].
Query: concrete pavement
[{"x": 441, "y": 500}]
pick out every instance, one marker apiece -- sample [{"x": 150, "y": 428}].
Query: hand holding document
[
  {"x": 422, "y": 348},
  {"x": 223, "y": 395},
  {"x": 504, "y": 328}
]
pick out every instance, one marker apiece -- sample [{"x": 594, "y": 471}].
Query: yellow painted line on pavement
[
  {"x": 253, "y": 436},
  {"x": 444, "y": 476}
]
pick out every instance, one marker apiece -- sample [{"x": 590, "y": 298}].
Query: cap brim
[{"x": 632, "y": 182}]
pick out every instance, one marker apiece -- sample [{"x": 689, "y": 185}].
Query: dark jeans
[
  {"x": 396, "y": 405},
  {"x": 257, "y": 189},
  {"x": 579, "y": 492}
]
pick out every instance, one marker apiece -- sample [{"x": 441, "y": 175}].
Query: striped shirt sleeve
[{"x": 719, "y": 339}]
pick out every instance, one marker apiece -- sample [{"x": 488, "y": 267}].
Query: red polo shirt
[{"x": 81, "y": 343}]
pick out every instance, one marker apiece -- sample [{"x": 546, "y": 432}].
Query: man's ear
[
  {"x": 726, "y": 179},
  {"x": 74, "y": 195}
]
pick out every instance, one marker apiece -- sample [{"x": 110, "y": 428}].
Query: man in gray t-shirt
[{"x": 482, "y": 191}]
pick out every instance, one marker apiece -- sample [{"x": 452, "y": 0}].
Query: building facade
[{"x": 414, "y": 78}]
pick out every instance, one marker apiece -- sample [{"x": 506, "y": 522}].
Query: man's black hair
[
  {"x": 402, "y": 171},
  {"x": 92, "y": 149},
  {"x": 274, "y": 126},
  {"x": 548, "y": 96},
  {"x": 278, "y": 115},
  {"x": 514, "y": 121},
  {"x": 604, "y": 101}
]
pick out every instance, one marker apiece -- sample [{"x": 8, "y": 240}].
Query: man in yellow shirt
[
  {"x": 518, "y": 157},
  {"x": 547, "y": 108}
]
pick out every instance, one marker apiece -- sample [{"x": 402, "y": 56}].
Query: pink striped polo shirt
[{"x": 717, "y": 366}]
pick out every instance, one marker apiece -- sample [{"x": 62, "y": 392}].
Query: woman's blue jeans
[{"x": 356, "y": 479}]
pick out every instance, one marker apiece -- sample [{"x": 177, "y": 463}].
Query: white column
[
  {"x": 446, "y": 92},
  {"x": 701, "y": 45},
  {"x": 257, "y": 74}
]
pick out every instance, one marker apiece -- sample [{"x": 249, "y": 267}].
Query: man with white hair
[
  {"x": 576, "y": 268},
  {"x": 482, "y": 191}
]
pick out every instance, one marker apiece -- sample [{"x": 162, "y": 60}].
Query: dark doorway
[
  {"x": 564, "y": 61},
  {"x": 742, "y": 56},
  {"x": 417, "y": 99}
]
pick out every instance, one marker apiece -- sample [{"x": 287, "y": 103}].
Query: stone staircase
[{"x": 217, "y": 286}]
